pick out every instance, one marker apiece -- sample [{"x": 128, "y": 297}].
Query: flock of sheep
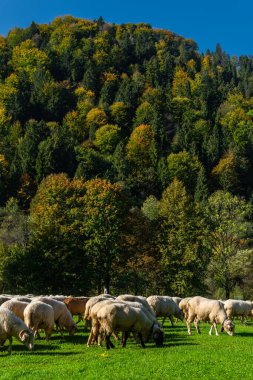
[{"x": 23, "y": 316}]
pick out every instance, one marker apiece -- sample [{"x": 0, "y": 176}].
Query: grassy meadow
[{"x": 182, "y": 357}]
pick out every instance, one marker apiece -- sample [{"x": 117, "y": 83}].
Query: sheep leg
[
  {"x": 111, "y": 344},
  {"x": 2, "y": 341},
  {"x": 171, "y": 320},
  {"x": 115, "y": 336},
  {"x": 211, "y": 329},
  {"x": 163, "y": 320},
  {"x": 188, "y": 323},
  {"x": 124, "y": 338},
  {"x": 141, "y": 340},
  {"x": 90, "y": 339},
  {"x": 87, "y": 325},
  {"x": 35, "y": 331},
  {"x": 48, "y": 332},
  {"x": 215, "y": 328},
  {"x": 99, "y": 339},
  {"x": 196, "y": 324},
  {"x": 107, "y": 341},
  {"x": 10, "y": 345},
  {"x": 79, "y": 318}
]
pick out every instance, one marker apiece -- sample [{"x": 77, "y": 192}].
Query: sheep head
[
  {"x": 158, "y": 335},
  {"x": 228, "y": 326},
  {"x": 27, "y": 337}
]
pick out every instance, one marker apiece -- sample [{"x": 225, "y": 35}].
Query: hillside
[{"x": 123, "y": 130}]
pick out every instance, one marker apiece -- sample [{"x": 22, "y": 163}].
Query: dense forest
[{"x": 126, "y": 162}]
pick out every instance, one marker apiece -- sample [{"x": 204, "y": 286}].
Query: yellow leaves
[
  {"x": 101, "y": 41},
  {"x": 206, "y": 62},
  {"x": 191, "y": 64},
  {"x": 107, "y": 137},
  {"x": 100, "y": 56},
  {"x": 97, "y": 117},
  {"x": 225, "y": 163},
  {"x": 196, "y": 82},
  {"x": 139, "y": 144},
  {"x": 4, "y": 118},
  {"x": 109, "y": 77},
  {"x": 2, "y": 42},
  {"x": 80, "y": 91},
  {"x": 150, "y": 92},
  {"x": 232, "y": 119},
  {"x": 26, "y": 57},
  {"x": 181, "y": 83},
  {"x": 123, "y": 76},
  {"x": 2, "y": 160},
  {"x": 225, "y": 172}
]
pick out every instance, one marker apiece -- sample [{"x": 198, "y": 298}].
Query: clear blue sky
[{"x": 228, "y": 22}]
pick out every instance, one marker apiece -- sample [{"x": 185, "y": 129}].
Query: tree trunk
[
  {"x": 227, "y": 285},
  {"x": 99, "y": 284},
  {"x": 107, "y": 283}
]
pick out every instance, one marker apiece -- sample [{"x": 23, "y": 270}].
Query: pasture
[{"x": 182, "y": 357}]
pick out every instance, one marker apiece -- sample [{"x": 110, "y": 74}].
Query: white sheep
[
  {"x": 11, "y": 325},
  {"x": 23, "y": 299},
  {"x": 238, "y": 308},
  {"x": 164, "y": 306},
  {"x": 123, "y": 317},
  {"x": 183, "y": 306},
  {"x": 132, "y": 298},
  {"x": 207, "y": 310},
  {"x": 17, "y": 307},
  {"x": 39, "y": 315},
  {"x": 62, "y": 315},
  {"x": 177, "y": 299},
  {"x": 95, "y": 328},
  {"x": 58, "y": 297},
  {"x": 91, "y": 302}
]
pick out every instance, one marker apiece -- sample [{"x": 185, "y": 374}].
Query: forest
[{"x": 126, "y": 162}]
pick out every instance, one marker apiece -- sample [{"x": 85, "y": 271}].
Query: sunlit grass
[{"x": 183, "y": 357}]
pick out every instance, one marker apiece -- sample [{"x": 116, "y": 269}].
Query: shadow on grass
[
  {"x": 244, "y": 333},
  {"x": 58, "y": 353}
]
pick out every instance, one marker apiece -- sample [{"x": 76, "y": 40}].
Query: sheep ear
[{"x": 23, "y": 335}]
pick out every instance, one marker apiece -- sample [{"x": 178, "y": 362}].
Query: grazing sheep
[
  {"x": 62, "y": 315},
  {"x": 95, "y": 334},
  {"x": 11, "y": 325},
  {"x": 95, "y": 328},
  {"x": 238, "y": 308},
  {"x": 131, "y": 298},
  {"x": 177, "y": 299},
  {"x": 123, "y": 317},
  {"x": 39, "y": 315},
  {"x": 164, "y": 306},
  {"x": 22, "y": 299},
  {"x": 183, "y": 306},
  {"x": 204, "y": 309},
  {"x": 76, "y": 306},
  {"x": 17, "y": 307},
  {"x": 91, "y": 302},
  {"x": 58, "y": 298}
]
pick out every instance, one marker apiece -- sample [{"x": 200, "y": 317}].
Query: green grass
[{"x": 182, "y": 357}]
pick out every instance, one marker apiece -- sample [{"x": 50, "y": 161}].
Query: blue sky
[{"x": 223, "y": 21}]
